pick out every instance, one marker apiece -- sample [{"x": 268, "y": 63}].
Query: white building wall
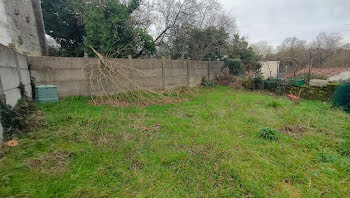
[
  {"x": 269, "y": 69},
  {"x": 5, "y": 29},
  {"x": 340, "y": 77}
]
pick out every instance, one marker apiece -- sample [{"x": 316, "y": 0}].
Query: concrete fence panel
[
  {"x": 69, "y": 76},
  {"x": 13, "y": 71}
]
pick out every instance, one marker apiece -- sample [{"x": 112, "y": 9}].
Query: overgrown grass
[{"x": 207, "y": 147}]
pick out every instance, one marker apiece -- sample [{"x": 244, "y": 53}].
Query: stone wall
[
  {"x": 21, "y": 26},
  {"x": 313, "y": 93},
  {"x": 68, "y": 75}
]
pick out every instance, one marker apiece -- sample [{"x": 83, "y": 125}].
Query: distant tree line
[{"x": 326, "y": 50}]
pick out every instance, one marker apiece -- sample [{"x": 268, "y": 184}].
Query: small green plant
[
  {"x": 207, "y": 83},
  {"x": 268, "y": 134},
  {"x": 274, "y": 104}
]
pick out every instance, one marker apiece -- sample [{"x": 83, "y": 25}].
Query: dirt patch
[
  {"x": 55, "y": 162},
  {"x": 155, "y": 128},
  {"x": 294, "y": 129}
]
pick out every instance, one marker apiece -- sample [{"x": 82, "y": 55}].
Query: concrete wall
[
  {"x": 20, "y": 26},
  {"x": 69, "y": 76},
  {"x": 5, "y": 29},
  {"x": 270, "y": 69},
  {"x": 13, "y": 70}
]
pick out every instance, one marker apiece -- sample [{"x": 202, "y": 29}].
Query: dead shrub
[
  {"x": 294, "y": 129},
  {"x": 108, "y": 77},
  {"x": 230, "y": 81}
]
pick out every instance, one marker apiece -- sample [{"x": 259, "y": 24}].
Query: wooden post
[
  {"x": 188, "y": 72},
  {"x": 209, "y": 70},
  {"x": 130, "y": 66},
  {"x": 163, "y": 73},
  {"x": 310, "y": 66}
]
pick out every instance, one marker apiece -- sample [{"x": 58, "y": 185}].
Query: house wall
[
  {"x": 270, "y": 69},
  {"x": 5, "y": 29},
  {"x": 340, "y": 77},
  {"x": 21, "y": 26},
  {"x": 69, "y": 76}
]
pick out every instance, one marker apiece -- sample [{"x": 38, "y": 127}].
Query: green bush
[
  {"x": 341, "y": 97},
  {"x": 275, "y": 85},
  {"x": 235, "y": 66},
  {"x": 268, "y": 134}
]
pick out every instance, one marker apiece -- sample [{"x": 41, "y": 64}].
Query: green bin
[
  {"x": 46, "y": 93},
  {"x": 297, "y": 82}
]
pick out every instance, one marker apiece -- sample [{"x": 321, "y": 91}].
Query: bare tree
[
  {"x": 162, "y": 17},
  {"x": 262, "y": 48}
]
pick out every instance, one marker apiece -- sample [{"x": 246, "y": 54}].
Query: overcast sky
[{"x": 274, "y": 20}]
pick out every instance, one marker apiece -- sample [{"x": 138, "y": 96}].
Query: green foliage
[
  {"x": 238, "y": 50},
  {"x": 274, "y": 104},
  {"x": 207, "y": 83},
  {"x": 15, "y": 119},
  {"x": 235, "y": 66},
  {"x": 108, "y": 31},
  {"x": 278, "y": 86},
  {"x": 341, "y": 97},
  {"x": 268, "y": 134},
  {"x": 65, "y": 26}
]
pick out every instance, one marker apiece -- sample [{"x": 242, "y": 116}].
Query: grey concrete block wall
[
  {"x": 69, "y": 76},
  {"x": 13, "y": 71}
]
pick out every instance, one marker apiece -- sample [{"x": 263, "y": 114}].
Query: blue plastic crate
[{"x": 46, "y": 93}]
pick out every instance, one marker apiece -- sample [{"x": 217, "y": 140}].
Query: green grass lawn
[{"x": 206, "y": 147}]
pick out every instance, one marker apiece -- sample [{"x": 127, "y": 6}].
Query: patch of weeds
[
  {"x": 274, "y": 104},
  {"x": 55, "y": 162},
  {"x": 207, "y": 83},
  {"x": 89, "y": 192},
  {"x": 325, "y": 157},
  {"x": 22, "y": 118},
  {"x": 344, "y": 147},
  {"x": 268, "y": 134},
  {"x": 294, "y": 129}
]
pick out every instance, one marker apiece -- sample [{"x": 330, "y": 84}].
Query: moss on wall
[{"x": 313, "y": 93}]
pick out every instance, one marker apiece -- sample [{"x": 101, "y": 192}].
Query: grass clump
[
  {"x": 274, "y": 104},
  {"x": 268, "y": 134}
]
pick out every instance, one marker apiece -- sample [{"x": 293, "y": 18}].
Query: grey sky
[{"x": 274, "y": 20}]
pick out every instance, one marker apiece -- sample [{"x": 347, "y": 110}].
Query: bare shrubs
[{"x": 111, "y": 83}]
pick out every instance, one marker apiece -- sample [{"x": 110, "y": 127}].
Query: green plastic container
[
  {"x": 46, "y": 93},
  {"x": 297, "y": 82}
]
